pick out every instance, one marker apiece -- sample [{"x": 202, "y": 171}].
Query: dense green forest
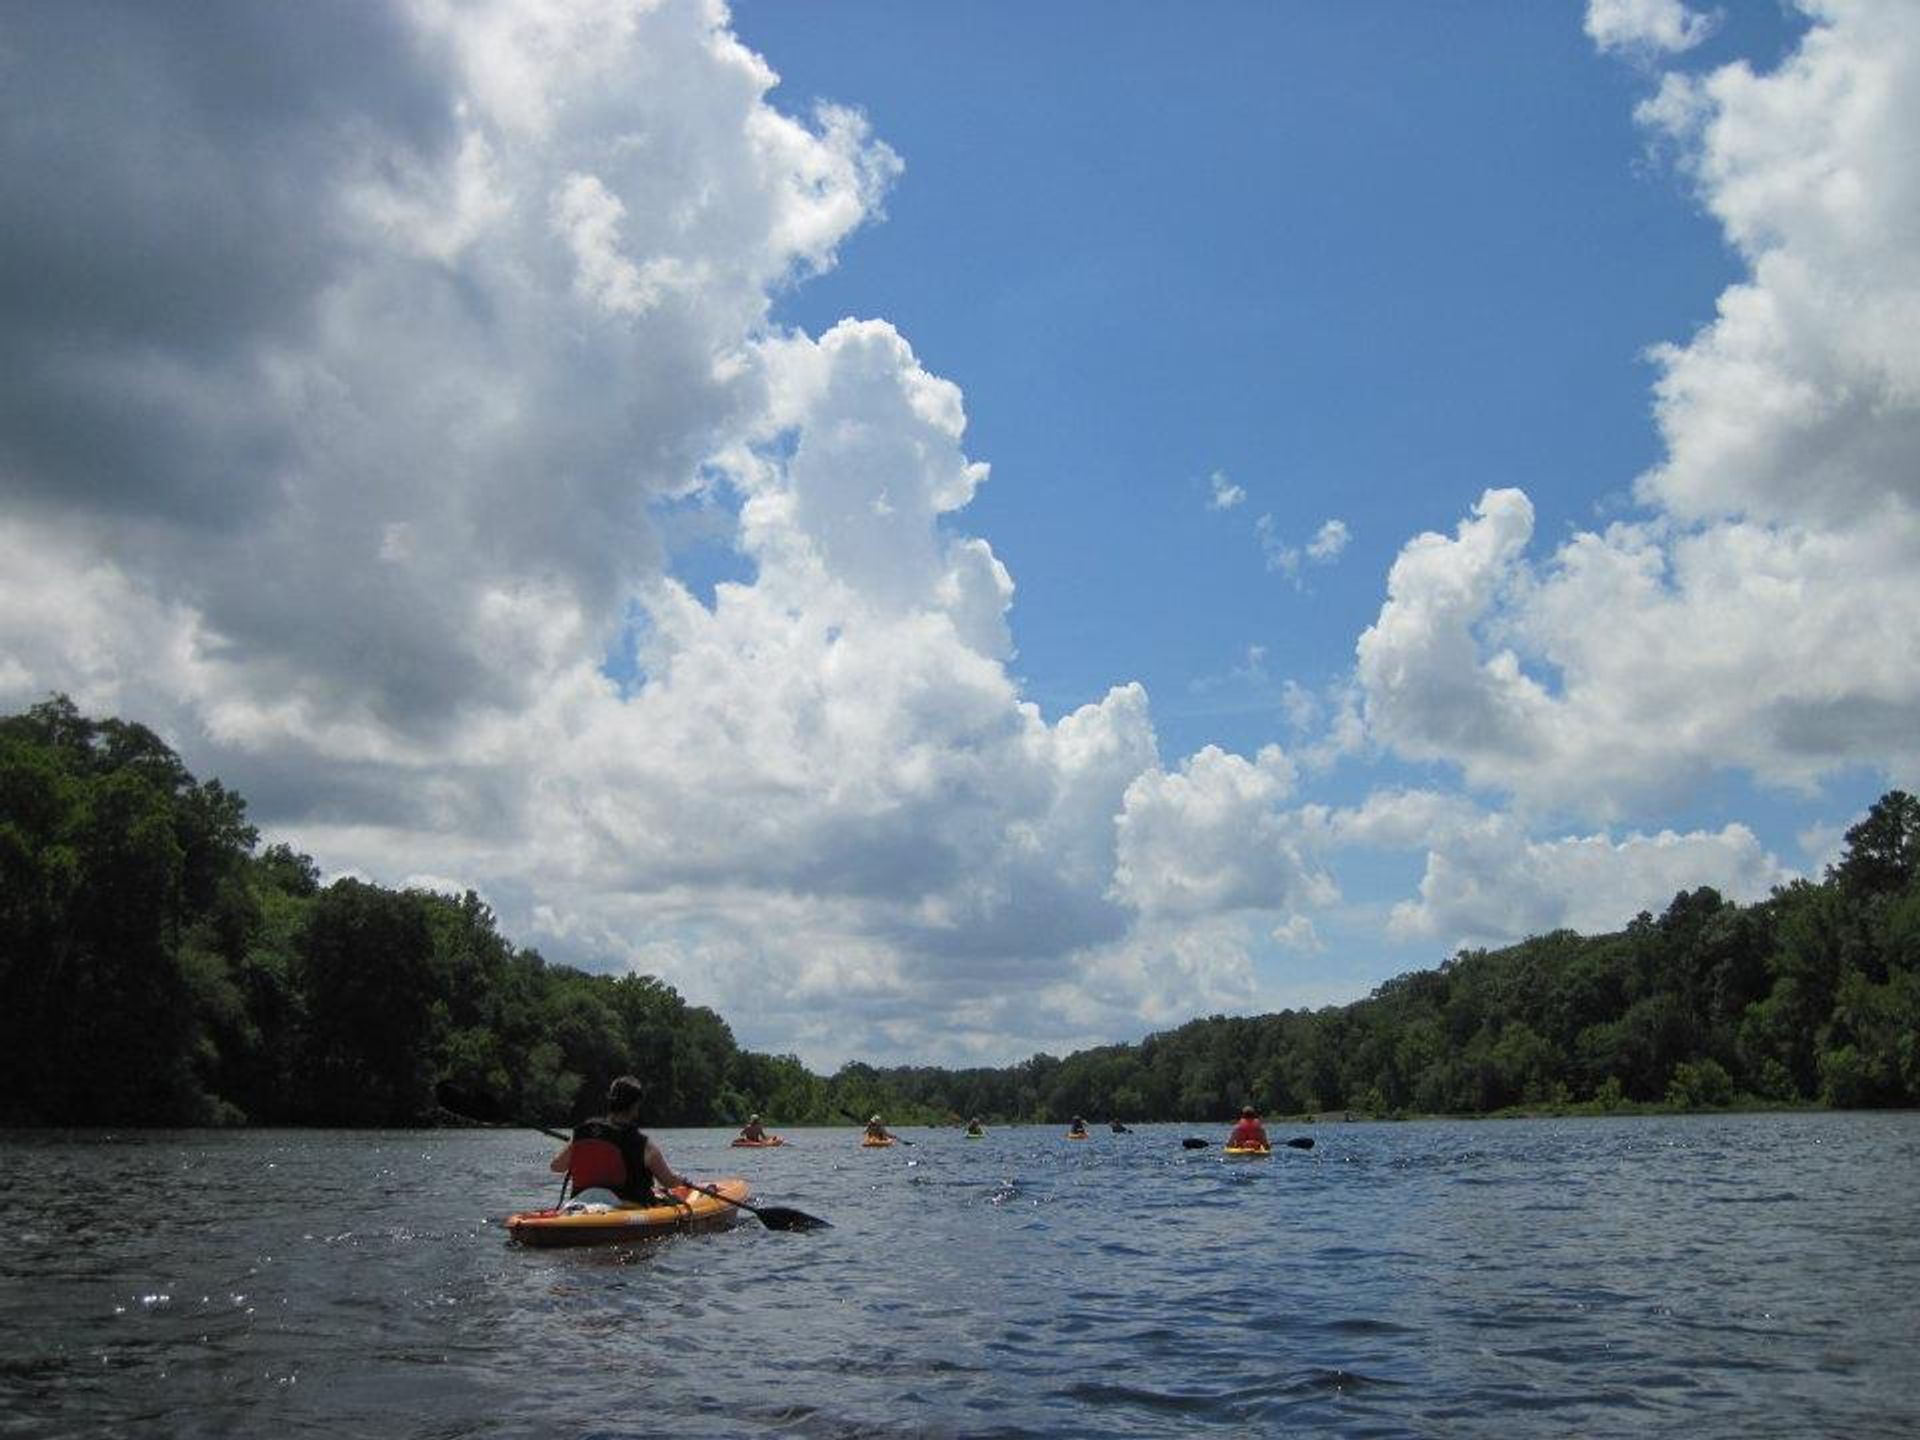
[{"x": 159, "y": 967}]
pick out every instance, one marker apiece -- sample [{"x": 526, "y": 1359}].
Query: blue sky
[
  {"x": 1364, "y": 261},
  {"x": 1046, "y": 521}
]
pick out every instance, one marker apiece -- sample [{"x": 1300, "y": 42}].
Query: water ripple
[{"x": 1735, "y": 1276}]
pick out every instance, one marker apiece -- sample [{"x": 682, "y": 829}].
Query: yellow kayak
[
  {"x": 1247, "y": 1152},
  {"x": 614, "y": 1224},
  {"x": 873, "y": 1142},
  {"x": 1078, "y": 1135}
]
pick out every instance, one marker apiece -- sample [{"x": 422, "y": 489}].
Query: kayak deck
[
  {"x": 742, "y": 1143},
  {"x": 620, "y": 1224}
]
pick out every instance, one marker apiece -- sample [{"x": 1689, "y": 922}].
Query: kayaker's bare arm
[
  {"x": 663, "y": 1172},
  {"x": 561, "y": 1162}
]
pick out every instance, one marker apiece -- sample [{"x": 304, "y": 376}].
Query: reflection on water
[{"x": 1747, "y": 1275}]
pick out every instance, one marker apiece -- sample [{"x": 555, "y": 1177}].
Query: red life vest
[
  {"x": 1246, "y": 1134},
  {"x": 611, "y": 1157}
]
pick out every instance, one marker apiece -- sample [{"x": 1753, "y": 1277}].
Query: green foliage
[
  {"x": 1883, "y": 850},
  {"x": 366, "y": 967},
  {"x": 1700, "y": 1085},
  {"x": 158, "y": 970}
]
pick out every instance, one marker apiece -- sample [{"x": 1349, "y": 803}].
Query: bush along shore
[{"x": 161, "y": 968}]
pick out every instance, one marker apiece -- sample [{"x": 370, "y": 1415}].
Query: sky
[{"x": 947, "y": 531}]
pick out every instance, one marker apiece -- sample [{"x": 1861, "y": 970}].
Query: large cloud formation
[
  {"x": 342, "y": 391},
  {"x": 354, "y": 355},
  {"x": 1762, "y": 615}
]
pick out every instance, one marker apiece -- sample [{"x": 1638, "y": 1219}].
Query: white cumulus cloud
[
  {"x": 350, "y": 361},
  {"x": 1225, "y": 494},
  {"x": 1213, "y": 837},
  {"x": 1764, "y": 614},
  {"x": 1323, "y": 548},
  {"x": 1664, "y": 26},
  {"x": 346, "y": 488},
  {"x": 1488, "y": 881}
]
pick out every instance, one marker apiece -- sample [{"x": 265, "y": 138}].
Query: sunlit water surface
[{"x": 1717, "y": 1276}]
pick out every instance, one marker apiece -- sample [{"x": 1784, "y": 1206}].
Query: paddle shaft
[
  {"x": 1298, "y": 1142},
  {"x": 753, "y": 1210}
]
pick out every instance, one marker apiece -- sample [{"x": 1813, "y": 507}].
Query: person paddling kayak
[
  {"x": 1249, "y": 1134},
  {"x": 974, "y": 1127},
  {"x": 753, "y": 1130},
  {"x": 610, "y": 1156},
  {"x": 878, "y": 1134},
  {"x": 1078, "y": 1129}
]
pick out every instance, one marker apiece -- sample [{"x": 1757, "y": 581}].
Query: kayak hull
[
  {"x": 1247, "y": 1152},
  {"x": 625, "y": 1224},
  {"x": 869, "y": 1143},
  {"x": 770, "y": 1144}
]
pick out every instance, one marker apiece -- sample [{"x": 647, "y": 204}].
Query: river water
[{"x": 1742, "y": 1276}]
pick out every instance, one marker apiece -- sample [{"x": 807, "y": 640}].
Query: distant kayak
[
  {"x": 874, "y": 1142},
  {"x": 1078, "y": 1135},
  {"x": 619, "y": 1224},
  {"x": 742, "y": 1143},
  {"x": 1247, "y": 1152},
  {"x": 973, "y": 1134}
]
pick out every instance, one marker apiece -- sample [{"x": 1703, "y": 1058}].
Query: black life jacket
[{"x": 612, "y": 1157}]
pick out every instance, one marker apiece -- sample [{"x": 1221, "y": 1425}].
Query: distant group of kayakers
[{"x": 611, "y": 1160}]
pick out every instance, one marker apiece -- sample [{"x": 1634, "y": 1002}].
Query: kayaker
[
  {"x": 610, "y": 1155},
  {"x": 877, "y": 1131},
  {"x": 1118, "y": 1128},
  {"x": 974, "y": 1127},
  {"x": 1249, "y": 1134},
  {"x": 1079, "y": 1126},
  {"x": 753, "y": 1129}
]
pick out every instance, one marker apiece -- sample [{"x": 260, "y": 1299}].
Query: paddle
[
  {"x": 858, "y": 1121},
  {"x": 1298, "y": 1142},
  {"x": 774, "y": 1217}
]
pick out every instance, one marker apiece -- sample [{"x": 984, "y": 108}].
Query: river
[{"x": 1747, "y": 1275}]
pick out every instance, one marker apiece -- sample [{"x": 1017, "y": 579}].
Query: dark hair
[{"x": 624, "y": 1093}]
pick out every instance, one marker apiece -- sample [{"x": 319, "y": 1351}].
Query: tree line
[{"x": 157, "y": 966}]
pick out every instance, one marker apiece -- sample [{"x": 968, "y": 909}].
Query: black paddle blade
[
  {"x": 778, "y": 1217},
  {"x": 1300, "y": 1142},
  {"x": 1194, "y": 1142}
]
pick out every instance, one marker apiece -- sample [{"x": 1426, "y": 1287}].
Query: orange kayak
[
  {"x": 616, "y": 1224},
  {"x": 1078, "y": 1135},
  {"x": 873, "y": 1142},
  {"x": 742, "y": 1143},
  {"x": 1246, "y": 1152}
]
